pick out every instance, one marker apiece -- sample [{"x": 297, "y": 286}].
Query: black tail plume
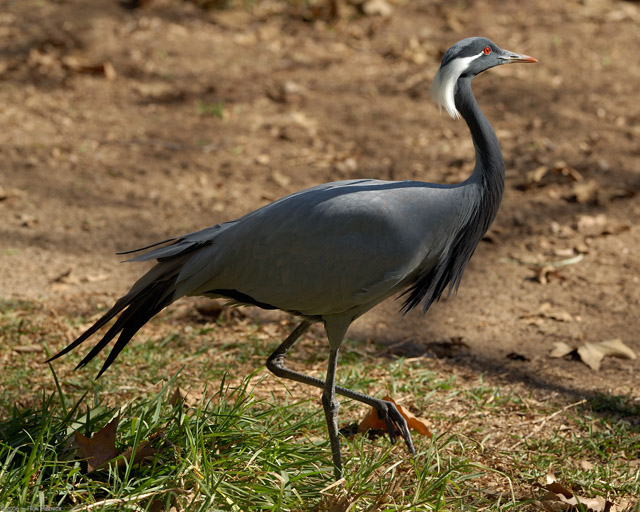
[{"x": 152, "y": 293}]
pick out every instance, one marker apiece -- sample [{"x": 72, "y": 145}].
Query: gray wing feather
[{"x": 180, "y": 245}]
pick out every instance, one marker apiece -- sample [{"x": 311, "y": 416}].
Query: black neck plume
[
  {"x": 489, "y": 168},
  {"x": 485, "y": 187}
]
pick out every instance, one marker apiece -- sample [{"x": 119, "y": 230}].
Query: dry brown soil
[{"x": 122, "y": 126}]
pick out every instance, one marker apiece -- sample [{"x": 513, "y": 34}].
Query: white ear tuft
[{"x": 444, "y": 84}]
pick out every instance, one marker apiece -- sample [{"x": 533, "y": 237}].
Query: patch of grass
[
  {"x": 211, "y": 109},
  {"x": 248, "y": 442},
  {"x": 595, "y": 453},
  {"x": 229, "y": 451}
]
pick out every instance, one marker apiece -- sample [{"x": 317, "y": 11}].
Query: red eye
[{"x": 487, "y": 50}]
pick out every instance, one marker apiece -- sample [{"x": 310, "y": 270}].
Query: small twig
[
  {"x": 543, "y": 421},
  {"x": 558, "y": 263},
  {"x": 334, "y": 484},
  {"x": 569, "y": 261},
  {"x": 119, "y": 501}
]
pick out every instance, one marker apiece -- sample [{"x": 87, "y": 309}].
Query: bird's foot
[{"x": 388, "y": 412}]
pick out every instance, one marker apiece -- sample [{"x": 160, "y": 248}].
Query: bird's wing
[
  {"x": 189, "y": 242},
  {"x": 326, "y": 250}
]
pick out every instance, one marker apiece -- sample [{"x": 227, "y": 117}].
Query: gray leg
[
  {"x": 331, "y": 407},
  {"x": 386, "y": 410}
]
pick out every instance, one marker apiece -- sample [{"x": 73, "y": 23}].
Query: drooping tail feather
[{"x": 147, "y": 297}]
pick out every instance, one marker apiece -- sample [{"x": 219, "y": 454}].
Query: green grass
[
  {"x": 230, "y": 451},
  {"x": 211, "y": 109},
  {"x": 246, "y": 444}
]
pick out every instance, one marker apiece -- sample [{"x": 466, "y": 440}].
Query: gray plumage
[{"x": 332, "y": 252}]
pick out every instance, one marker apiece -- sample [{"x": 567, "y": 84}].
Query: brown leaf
[
  {"x": 570, "y": 172},
  {"x": 561, "y": 349},
  {"x": 590, "y": 224},
  {"x": 585, "y": 192},
  {"x": 373, "y": 422},
  {"x": 592, "y": 354},
  {"x": 559, "y": 498},
  {"x": 616, "y": 348},
  {"x": 177, "y": 397},
  {"x": 93, "y": 68},
  {"x": 99, "y": 449},
  {"x": 144, "y": 451},
  {"x": 615, "y": 230},
  {"x": 547, "y": 310},
  {"x": 585, "y": 465},
  {"x": 535, "y": 176},
  {"x": 543, "y": 273}
]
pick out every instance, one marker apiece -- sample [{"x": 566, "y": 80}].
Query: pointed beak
[{"x": 512, "y": 58}]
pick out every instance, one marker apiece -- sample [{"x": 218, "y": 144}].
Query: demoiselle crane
[{"x": 332, "y": 252}]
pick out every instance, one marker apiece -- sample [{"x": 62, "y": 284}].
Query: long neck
[
  {"x": 483, "y": 192},
  {"x": 489, "y": 168}
]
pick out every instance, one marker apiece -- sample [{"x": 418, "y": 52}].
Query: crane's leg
[
  {"x": 331, "y": 406},
  {"x": 387, "y": 411}
]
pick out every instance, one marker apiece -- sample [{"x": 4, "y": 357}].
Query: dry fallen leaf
[
  {"x": 544, "y": 272},
  {"x": 561, "y": 349},
  {"x": 177, "y": 397},
  {"x": 143, "y": 451},
  {"x": 560, "y": 498},
  {"x": 616, "y": 348},
  {"x": 585, "y": 465},
  {"x": 615, "y": 230},
  {"x": 100, "y": 448},
  {"x": 585, "y": 192},
  {"x": 592, "y": 354},
  {"x": 560, "y": 170},
  {"x": 535, "y": 176},
  {"x": 589, "y": 224},
  {"x": 186, "y": 399},
  {"x": 373, "y": 422},
  {"x": 547, "y": 310}
]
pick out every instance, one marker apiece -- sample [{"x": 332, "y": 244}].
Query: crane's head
[{"x": 468, "y": 58}]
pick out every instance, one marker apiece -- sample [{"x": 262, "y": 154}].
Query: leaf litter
[
  {"x": 559, "y": 498},
  {"x": 373, "y": 422},
  {"x": 100, "y": 449},
  {"x": 592, "y": 353}
]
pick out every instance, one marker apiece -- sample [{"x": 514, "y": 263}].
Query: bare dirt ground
[{"x": 121, "y": 127}]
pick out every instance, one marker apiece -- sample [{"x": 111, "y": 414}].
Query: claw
[
  {"x": 394, "y": 420},
  {"x": 390, "y": 428}
]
